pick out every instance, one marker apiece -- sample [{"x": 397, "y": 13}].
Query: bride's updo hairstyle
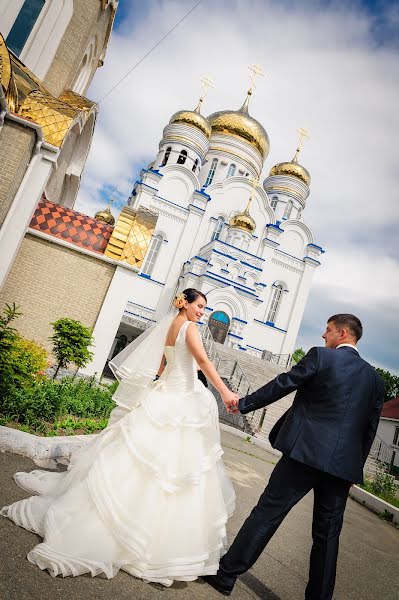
[{"x": 190, "y": 294}]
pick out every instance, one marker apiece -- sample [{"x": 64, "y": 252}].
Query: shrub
[
  {"x": 383, "y": 484},
  {"x": 21, "y": 360}
]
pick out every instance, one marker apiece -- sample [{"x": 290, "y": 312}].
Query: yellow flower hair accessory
[{"x": 179, "y": 300}]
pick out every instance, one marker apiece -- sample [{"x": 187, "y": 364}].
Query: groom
[{"x": 325, "y": 438}]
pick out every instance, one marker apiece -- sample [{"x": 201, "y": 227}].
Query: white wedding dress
[{"x": 148, "y": 495}]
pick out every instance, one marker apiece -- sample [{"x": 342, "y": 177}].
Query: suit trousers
[{"x": 289, "y": 482}]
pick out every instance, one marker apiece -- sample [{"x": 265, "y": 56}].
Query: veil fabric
[{"x": 136, "y": 366}]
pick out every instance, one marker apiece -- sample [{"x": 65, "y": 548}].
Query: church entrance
[{"x": 219, "y": 324}]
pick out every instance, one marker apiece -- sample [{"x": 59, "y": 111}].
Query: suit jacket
[{"x": 334, "y": 417}]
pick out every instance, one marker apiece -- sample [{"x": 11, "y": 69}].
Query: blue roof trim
[
  {"x": 202, "y": 193},
  {"x": 200, "y": 258},
  {"x": 269, "y": 324},
  {"x": 129, "y": 312},
  {"x": 239, "y": 337},
  {"x": 197, "y": 207},
  {"x": 243, "y": 251},
  {"x": 240, "y": 320},
  {"x": 290, "y": 255},
  {"x": 261, "y": 284},
  {"x": 318, "y": 247},
  {"x": 145, "y": 276},
  {"x": 242, "y": 348},
  {"x": 254, "y": 347},
  {"x": 277, "y": 226},
  {"x": 252, "y": 266},
  {"x": 237, "y": 287},
  {"x": 317, "y": 262},
  {"x": 141, "y": 305},
  {"x": 230, "y": 280},
  {"x": 224, "y": 254},
  {"x": 170, "y": 202}
]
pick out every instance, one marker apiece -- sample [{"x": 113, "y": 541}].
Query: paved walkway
[{"x": 368, "y": 566}]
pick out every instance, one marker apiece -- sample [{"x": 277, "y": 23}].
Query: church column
[
  {"x": 25, "y": 201},
  {"x": 298, "y": 305},
  {"x": 109, "y": 318}
]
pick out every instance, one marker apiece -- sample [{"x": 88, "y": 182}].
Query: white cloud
[{"x": 324, "y": 70}]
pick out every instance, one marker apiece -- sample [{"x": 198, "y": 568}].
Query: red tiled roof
[
  {"x": 71, "y": 226},
  {"x": 391, "y": 409}
]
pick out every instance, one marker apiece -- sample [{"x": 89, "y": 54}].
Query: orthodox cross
[
  {"x": 303, "y": 134},
  {"x": 255, "y": 71}
]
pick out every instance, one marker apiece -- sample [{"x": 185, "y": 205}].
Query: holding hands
[{"x": 230, "y": 400}]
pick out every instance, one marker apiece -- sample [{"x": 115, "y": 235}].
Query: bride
[{"x": 149, "y": 494}]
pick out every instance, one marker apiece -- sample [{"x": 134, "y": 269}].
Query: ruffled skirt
[{"x": 148, "y": 495}]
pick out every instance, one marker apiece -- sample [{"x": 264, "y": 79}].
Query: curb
[
  {"x": 373, "y": 503},
  {"x": 46, "y": 452}
]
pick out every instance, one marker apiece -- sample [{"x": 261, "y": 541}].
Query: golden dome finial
[
  {"x": 293, "y": 167},
  {"x": 244, "y": 220},
  {"x": 105, "y": 215},
  {"x": 194, "y": 117}
]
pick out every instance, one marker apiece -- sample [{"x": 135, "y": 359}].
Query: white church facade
[{"x": 246, "y": 247}]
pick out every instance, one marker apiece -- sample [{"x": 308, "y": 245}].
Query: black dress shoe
[{"x": 213, "y": 581}]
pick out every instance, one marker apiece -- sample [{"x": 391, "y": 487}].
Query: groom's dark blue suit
[{"x": 325, "y": 438}]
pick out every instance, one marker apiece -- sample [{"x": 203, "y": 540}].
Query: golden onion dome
[
  {"x": 105, "y": 216},
  {"x": 243, "y": 221},
  {"x": 193, "y": 118},
  {"x": 292, "y": 168},
  {"x": 240, "y": 124}
]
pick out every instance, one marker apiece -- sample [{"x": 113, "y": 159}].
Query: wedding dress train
[{"x": 148, "y": 495}]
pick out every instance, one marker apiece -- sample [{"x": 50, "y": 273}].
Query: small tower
[
  {"x": 241, "y": 228},
  {"x": 288, "y": 186},
  {"x": 106, "y": 216}
]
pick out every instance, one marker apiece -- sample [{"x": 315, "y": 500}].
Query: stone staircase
[{"x": 245, "y": 373}]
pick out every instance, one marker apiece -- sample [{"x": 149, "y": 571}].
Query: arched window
[
  {"x": 232, "y": 170},
  {"x": 275, "y": 303},
  {"x": 182, "y": 157},
  {"x": 273, "y": 203},
  {"x": 218, "y": 228},
  {"x": 152, "y": 255},
  {"x": 166, "y": 156},
  {"x": 288, "y": 209},
  {"x": 24, "y": 24},
  {"x": 219, "y": 324},
  {"x": 211, "y": 172},
  {"x": 195, "y": 165}
]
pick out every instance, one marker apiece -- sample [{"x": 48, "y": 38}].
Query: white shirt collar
[{"x": 346, "y": 345}]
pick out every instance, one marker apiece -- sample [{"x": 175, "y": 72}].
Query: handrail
[{"x": 237, "y": 379}]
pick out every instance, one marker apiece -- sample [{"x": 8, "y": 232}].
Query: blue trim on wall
[
  {"x": 239, "y": 320},
  {"x": 270, "y": 324},
  {"x": 290, "y": 255},
  {"x": 254, "y": 347},
  {"x": 235, "y": 336},
  {"x": 318, "y": 247},
  {"x": 200, "y": 258},
  {"x": 170, "y": 202},
  {"x": 145, "y": 276},
  {"x": 275, "y": 226},
  {"x": 202, "y": 193},
  {"x": 252, "y": 266},
  {"x": 141, "y": 305},
  {"x": 197, "y": 207},
  {"x": 238, "y": 287},
  {"x": 243, "y": 251},
  {"x": 223, "y": 254},
  {"x": 230, "y": 280}
]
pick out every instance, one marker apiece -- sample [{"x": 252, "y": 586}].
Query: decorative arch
[
  {"x": 85, "y": 70},
  {"x": 227, "y": 300},
  {"x": 181, "y": 175}
]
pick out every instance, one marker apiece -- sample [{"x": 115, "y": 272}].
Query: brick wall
[
  {"x": 87, "y": 20},
  {"x": 49, "y": 281},
  {"x": 16, "y": 145}
]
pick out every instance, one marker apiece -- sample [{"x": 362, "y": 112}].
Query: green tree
[
  {"x": 298, "y": 354},
  {"x": 391, "y": 384},
  {"x": 71, "y": 341}
]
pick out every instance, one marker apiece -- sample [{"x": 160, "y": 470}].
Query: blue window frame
[
  {"x": 24, "y": 24},
  {"x": 220, "y": 316}
]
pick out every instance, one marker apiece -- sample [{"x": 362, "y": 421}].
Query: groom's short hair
[{"x": 349, "y": 322}]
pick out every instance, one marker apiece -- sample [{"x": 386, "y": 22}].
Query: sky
[{"x": 331, "y": 67}]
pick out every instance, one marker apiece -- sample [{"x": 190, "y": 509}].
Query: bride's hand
[{"x": 230, "y": 400}]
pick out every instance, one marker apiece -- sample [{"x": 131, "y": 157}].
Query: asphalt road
[{"x": 368, "y": 567}]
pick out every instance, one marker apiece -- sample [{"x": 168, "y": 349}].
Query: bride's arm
[
  {"x": 162, "y": 366},
  {"x": 194, "y": 344}
]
